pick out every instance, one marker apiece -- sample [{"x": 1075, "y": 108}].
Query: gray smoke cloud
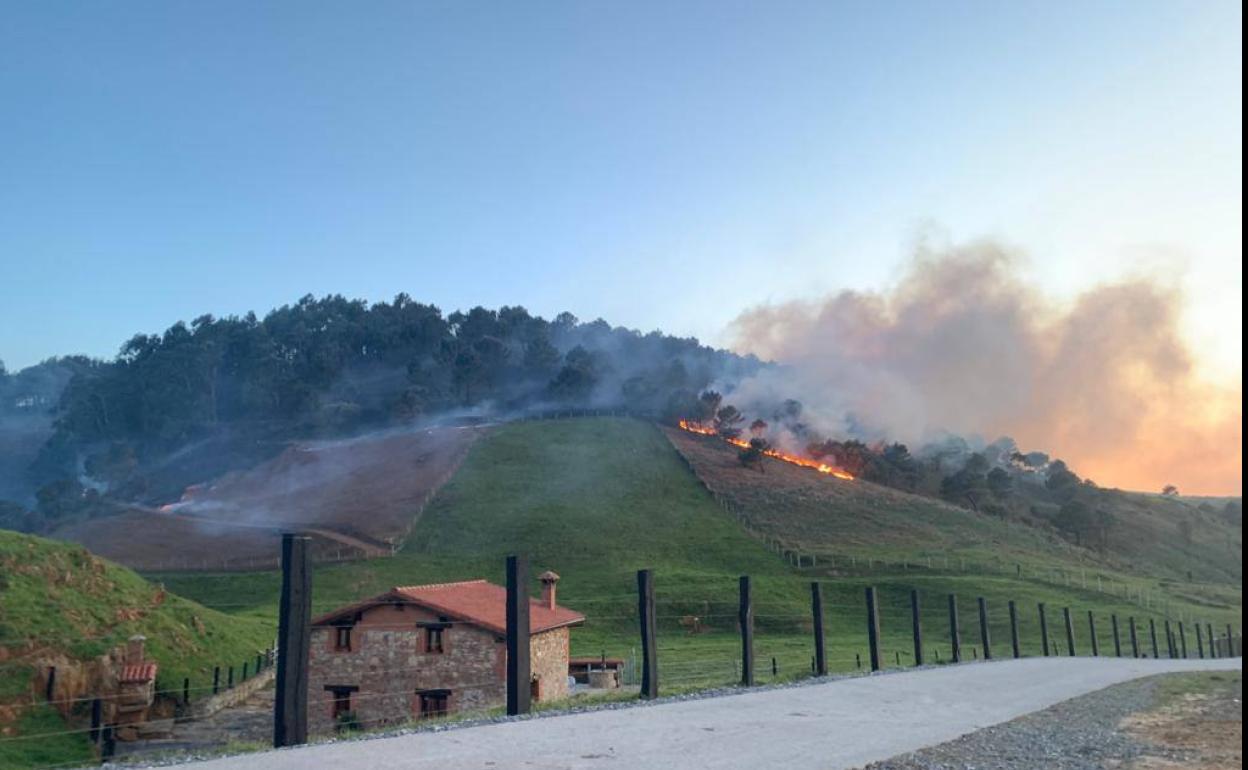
[{"x": 962, "y": 343}]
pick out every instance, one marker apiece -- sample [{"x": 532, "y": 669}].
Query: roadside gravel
[{"x": 1078, "y": 734}]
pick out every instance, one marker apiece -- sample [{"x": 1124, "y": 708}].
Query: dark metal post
[
  {"x": 1135, "y": 639},
  {"x": 983, "y": 628},
  {"x": 1200, "y": 642},
  {"x": 1014, "y": 630},
  {"x": 216, "y": 679},
  {"x": 519, "y": 673},
  {"x": 916, "y": 626},
  {"x": 97, "y": 721},
  {"x": 745, "y": 617},
  {"x": 1070, "y": 632},
  {"x": 816, "y": 614},
  {"x": 873, "y": 628},
  {"x": 955, "y": 638},
  {"x": 290, "y": 710},
  {"x": 186, "y": 691},
  {"x": 1213, "y": 642},
  {"x": 1230, "y": 641},
  {"x": 49, "y": 689},
  {"x": 229, "y": 678},
  {"x": 1182, "y": 641},
  {"x": 1117, "y": 636},
  {"x": 245, "y": 672},
  {"x": 1152, "y": 633},
  {"x": 1044, "y": 629},
  {"x": 1096, "y": 645},
  {"x": 649, "y": 648}
]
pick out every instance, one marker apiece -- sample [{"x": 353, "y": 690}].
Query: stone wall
[
  {"x": 389, "y": 665},
  {"x": 548, "y": 662}
]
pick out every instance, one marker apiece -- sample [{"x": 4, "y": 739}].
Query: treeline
[{"x": 333, "y": 366}]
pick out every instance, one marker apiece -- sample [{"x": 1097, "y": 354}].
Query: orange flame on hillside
[{"x": 805, "y": 462}]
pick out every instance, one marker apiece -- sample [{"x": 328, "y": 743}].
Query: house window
[
  {"x": 434, "y": 703},
  {"x": 342, "y": 639},
  {"x": 341, "y": 703},
  {"x": 435, "y": 637}
]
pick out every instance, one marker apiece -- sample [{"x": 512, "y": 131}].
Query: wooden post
[
  {"x": 1152, "y": 633},
  {"x": 816, "y": 613},
  {"x": 873, "y": 628},
  {"x": 1170, "y": 651},
  {"x": 1044, "y": 629},
  {"x": 1200, "y": 641},
  {"x": 983, "y": 628},
  {"x": 1096, "y": 645},
  {"x": 1070, "y": 632},
  {"x": 290, "y": 709},
  {"x": 519, "y": 673},
  {"x": 955, "y": 638},
  {"x": 97, "y": 721},
  {"x": 916, "y": 626},
  {"x": 1135, "y": 639},
  {"x": 1014, "y": 630},
  {"x": 745, "y": 617},
  {"x": 1117, "y": 637},
  {"x": 649, "y": 648},
  {"x": 1182, "y": 641}
]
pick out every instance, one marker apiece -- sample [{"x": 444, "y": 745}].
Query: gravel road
[{"x": 839, "y": 724}]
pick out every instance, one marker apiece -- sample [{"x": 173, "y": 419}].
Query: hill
[
  {"x": 61, "y": 605},
  {"x": 597, "y": 498},
  {"x": 824, "y": 516}
]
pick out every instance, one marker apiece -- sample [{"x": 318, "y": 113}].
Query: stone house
[{"x": 415, "y": 652}]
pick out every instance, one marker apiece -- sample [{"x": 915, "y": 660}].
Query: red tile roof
[
  {"x": 474, "y": 601},
  {"x": 137, "y": 672}
]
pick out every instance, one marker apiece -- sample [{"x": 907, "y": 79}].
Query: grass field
[
  {"x": 58, "y": 603},
  {"x": 597, "y": 499}
]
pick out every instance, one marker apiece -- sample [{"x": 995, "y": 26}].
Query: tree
[
  {"x": 1000, "y": 482},
  {"x": 758, "y": 427},
  {"x": 1170, "y": 490},
  {"x": 1061, "y": 481},
  {"x": 753, "y": 453},
  {"x": 726, "y": 421},
  {"x": 1074, "y": 518}
]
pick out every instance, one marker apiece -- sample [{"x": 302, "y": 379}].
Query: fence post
[
  {"x": 1014, "y": 630},
  {"x": 186, "y": 691},
  {"x": 1096, "y": 645},
  {"x": 916, "y": 626},
  {"x": 745, "y": 616},
  {"x": 1170, "y": 651},
  {"x": 983, "y": 628},
  {"x": 1117, "y": 636},
  {"x": 97, "y": 721},
  {"x": 649, "y": 648},
  {"x": 1135, "y": 639},
  {"x": 1213, "y": 642},
  {"x": 955, "y": 638},
  {"x": 1200, "y": 642},
  {"x": 1070, "y": 632},
  {"x": 816, "y": 612},
  {"x": 873, "y": 628},
  {"x": 290, "y": 710},
  {"x": 216, "y": 679},
  {"x": 1044, "y": 629},
  {"x": 1182, "y": 641},
  {"x": 1230, "y": 641},
  {"x": 519, "y": 695},
  {"x": 1152, "y": 633}
]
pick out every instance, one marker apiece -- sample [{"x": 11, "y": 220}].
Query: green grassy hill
[
  {"x": 59, "y": 601},
  {"x": 597, "y": 499}
]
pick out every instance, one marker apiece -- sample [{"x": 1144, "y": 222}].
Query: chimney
[
  {"x": 549, "y": 579},
  {"x": 134, "y": 649}
]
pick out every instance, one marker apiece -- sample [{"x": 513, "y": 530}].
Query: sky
[{"x": 661, "y": 165}]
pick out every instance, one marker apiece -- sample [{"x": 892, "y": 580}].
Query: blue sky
[{"x": 662, "y": 165}]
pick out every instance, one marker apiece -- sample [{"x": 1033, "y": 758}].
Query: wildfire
[{"x": 805, "y": 462}]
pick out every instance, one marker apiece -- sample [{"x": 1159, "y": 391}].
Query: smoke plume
[{"x": 963, "y": 344}]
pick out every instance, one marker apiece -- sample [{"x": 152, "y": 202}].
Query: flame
[{"x": 804, "y": 462}]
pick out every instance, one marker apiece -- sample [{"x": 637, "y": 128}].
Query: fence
[{"x": 701, "y": 632}]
